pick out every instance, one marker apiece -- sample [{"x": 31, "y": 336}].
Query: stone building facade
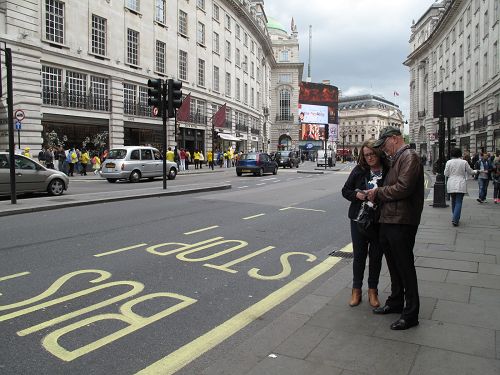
[
  {"x": 81, "y": 70},
  {"x": 362, "y": 117},
  {"x": 454, "y": 46}
]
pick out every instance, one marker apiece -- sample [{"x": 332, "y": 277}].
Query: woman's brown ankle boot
[
  {"x": 356, "y": 297},
  {"x": 373, "y": 297}
]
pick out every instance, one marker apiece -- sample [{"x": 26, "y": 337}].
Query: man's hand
[{"x": 372, "y": 194}]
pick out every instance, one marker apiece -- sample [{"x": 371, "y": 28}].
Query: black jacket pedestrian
[{"x": 357, "y": 180}]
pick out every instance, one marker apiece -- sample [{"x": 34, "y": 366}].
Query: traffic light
[
  {"x": 155, "y": 91},
  {"x": 174, "y": 96}
]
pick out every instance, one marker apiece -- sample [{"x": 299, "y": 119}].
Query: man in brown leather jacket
[{"x": 402, "y": 200}]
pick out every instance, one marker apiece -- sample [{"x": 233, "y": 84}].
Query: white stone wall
[{"x": 24, "y": 33}]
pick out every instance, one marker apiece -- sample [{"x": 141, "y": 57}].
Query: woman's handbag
[{"x": 367, "y": 220}]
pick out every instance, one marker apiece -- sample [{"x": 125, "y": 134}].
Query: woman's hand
[{"x": 361, "y": 195}]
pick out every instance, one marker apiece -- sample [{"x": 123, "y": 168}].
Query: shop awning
[{"x": 229, "y": 137}]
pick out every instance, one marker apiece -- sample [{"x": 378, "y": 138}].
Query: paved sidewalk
[{"x": 459, "y": 332}]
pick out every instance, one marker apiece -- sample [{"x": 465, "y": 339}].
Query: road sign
[
  {"x": 19, "y": 114},
  {"x": 18, "y": 125}
]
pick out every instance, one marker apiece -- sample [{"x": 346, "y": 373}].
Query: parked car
[
  {"x": 257, "y": 163},
  {"x": 330, "y": 158},
  {"x": 31, "y": 177},
  {"x": 135, "y": 162},
  {"x": 288, "y": 159}
]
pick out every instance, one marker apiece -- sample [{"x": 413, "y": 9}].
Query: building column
[{"x": 116, "y": 130}]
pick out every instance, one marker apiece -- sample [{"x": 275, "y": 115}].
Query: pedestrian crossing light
[
  {"x": 154, "y": 94},
  {"x": 174, "y": 96}
]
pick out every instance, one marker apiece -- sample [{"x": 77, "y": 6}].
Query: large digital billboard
[
  {"x": 321, "y": 95},
  {"x": 312, "y": 132},
  {"x": 313, "y": 114}
]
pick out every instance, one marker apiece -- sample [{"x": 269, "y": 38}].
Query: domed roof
[{"x": 274, "y": 24}]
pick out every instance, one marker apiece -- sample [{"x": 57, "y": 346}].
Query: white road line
[
  {"x": 300, "y": 208},
  {"x": 252, "y": 217},
  {"x": 242, "y": 187},
  {"x": 267, "y": 179},
  {"x": 120, "y": 250},
  {"x": 277, "y": 181},
  {"x": 201, "y": 230},
  {"x": 263, "y": 183},
  {"x": 8, "y": 277}
]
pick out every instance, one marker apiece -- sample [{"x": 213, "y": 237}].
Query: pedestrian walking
[
  {"x": 188, "y": 159},
  {"x": 369, "y": 173},
  {"x": 484, "y": 167},
  {"x": 84, "y": 161},
  {"x": 61, "y": 160},
  {"x": 402, "y": 201},
  {"x": 457, "y": 170},
  {"x": 495, "y": 175},
  {"x": 202, "y": 159},
  {"x": 210, "y": 159},
  {"x": 196, "y": 158},
  {"x": 49, "y": 158},
  {"x": 183, "y": 159},
  {"x": 72, "y": 159},
  {"x": 96, "y": 164},
  {"x": 170, "y": 154}
]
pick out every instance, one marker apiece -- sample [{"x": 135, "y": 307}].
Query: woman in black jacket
[{"x": 370, "y": 172}]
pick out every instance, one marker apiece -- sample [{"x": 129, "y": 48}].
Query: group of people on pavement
[
  {"x": 68, "y": 161},
  {"x": 389, "y": 179}
]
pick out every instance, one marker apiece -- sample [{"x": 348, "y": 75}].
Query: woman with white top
[{"x": 457, "y": 170}]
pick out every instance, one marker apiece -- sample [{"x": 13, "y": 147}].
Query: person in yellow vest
[
  {"x": 196, "y": 158},
  {"x": 230, "y": 155},
  {"x": 170, "y": 154},
  {"x": 210, "y": 159},
  {"x": 27, "y": 152},
  {"x": 96, "y": 164},
  {"x": 84, "y": 160}
]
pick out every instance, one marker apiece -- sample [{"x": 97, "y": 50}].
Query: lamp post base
[{"x": 439, "y": 192}]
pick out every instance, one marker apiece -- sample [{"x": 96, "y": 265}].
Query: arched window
[{"x": 284, "y": 108}]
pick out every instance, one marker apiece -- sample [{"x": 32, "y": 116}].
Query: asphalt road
[{"x": 114, "y": 288}]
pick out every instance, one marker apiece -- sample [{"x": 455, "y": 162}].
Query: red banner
[
  {"x": 185, "y": 108},
  {"x": 219, "y": 118}
]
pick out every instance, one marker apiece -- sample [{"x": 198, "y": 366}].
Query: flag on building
[
  {"x": 396, "y": 93},
  {"x": 219, "y": 117},
  {"x": 185, "y": 109}
]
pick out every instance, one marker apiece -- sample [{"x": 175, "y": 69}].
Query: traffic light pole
[
  {"x": 10, "y": 126},
  {"x": 164, "y": 120}
]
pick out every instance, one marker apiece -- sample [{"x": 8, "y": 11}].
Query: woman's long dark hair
[{"x": 377, "y": 151}]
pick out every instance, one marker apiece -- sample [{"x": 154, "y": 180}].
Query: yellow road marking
[
  {"x": 14, "y": 276},
  {"x": 201, "y": 230},
  {"x": 300, "y": 208},
  {"x": 120, "y": 250},
  {"x": 178, "y": 359},
  {"x": 252, "y": 217}
]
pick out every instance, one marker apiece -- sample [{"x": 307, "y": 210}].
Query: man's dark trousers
[{"x": 398, "y": 240}]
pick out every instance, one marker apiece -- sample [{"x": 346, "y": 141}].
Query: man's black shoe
[
  {"x": 479, "y": 200},
  {"x": 382, "y": 310},
  {"x": 402, "y": 324}
]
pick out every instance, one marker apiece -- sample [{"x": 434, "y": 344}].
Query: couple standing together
[{"x": 398, "y": 191}]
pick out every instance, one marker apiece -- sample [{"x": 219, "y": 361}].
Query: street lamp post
[{"x": 343, "y": 135}]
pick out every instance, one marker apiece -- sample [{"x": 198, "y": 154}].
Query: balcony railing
[
  {"x": 480, "y": 123},
  {"x": 421, "y": 114},
  {"x": 242, "y": 127},
  {"x": 495, "y": 117},
  {"x": 137, "y": 109},
  {"x": 284, "y": 117},
  {"x": 80, "y": 101},
  {"x": 255, "y": 131}
]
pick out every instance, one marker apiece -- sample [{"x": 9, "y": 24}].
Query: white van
[{"x": 320, "y": 159}]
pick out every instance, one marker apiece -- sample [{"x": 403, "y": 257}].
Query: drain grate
[{"x": 341, "y": 254}]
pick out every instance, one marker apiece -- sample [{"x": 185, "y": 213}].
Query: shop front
[
  {"x": 138, "y": 134},
  {"x": 465, "y": 144},
  {"x": 191, "y": 139},
  {"x": 496, "y": 140},
  {"x": 73, "y": 131},
  {"x": 226, "y": 140},
  {"x": 481, "y": 144}
]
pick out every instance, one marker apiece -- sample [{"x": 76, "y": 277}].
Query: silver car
[
  {"x": 31, "y": 177},
  {"x": 135, "y": 162}
]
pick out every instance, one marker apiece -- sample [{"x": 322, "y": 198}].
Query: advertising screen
[
  {"x": 333, "y": 132},
  {"x": 312, "y": 132},
  {"x": 313, "y": 114},
  {"x": 321, "y": 95}
]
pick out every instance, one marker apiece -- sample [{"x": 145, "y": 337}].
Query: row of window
[
  {"x": 84, "y": 91},
  {"x": 55, "y": 33},
  {"x": 459, "y": 28}
]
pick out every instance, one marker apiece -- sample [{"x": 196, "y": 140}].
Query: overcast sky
[{"x": 359, "y": 45}]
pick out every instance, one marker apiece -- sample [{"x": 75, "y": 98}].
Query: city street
[{"x": 116, "y": 287}]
